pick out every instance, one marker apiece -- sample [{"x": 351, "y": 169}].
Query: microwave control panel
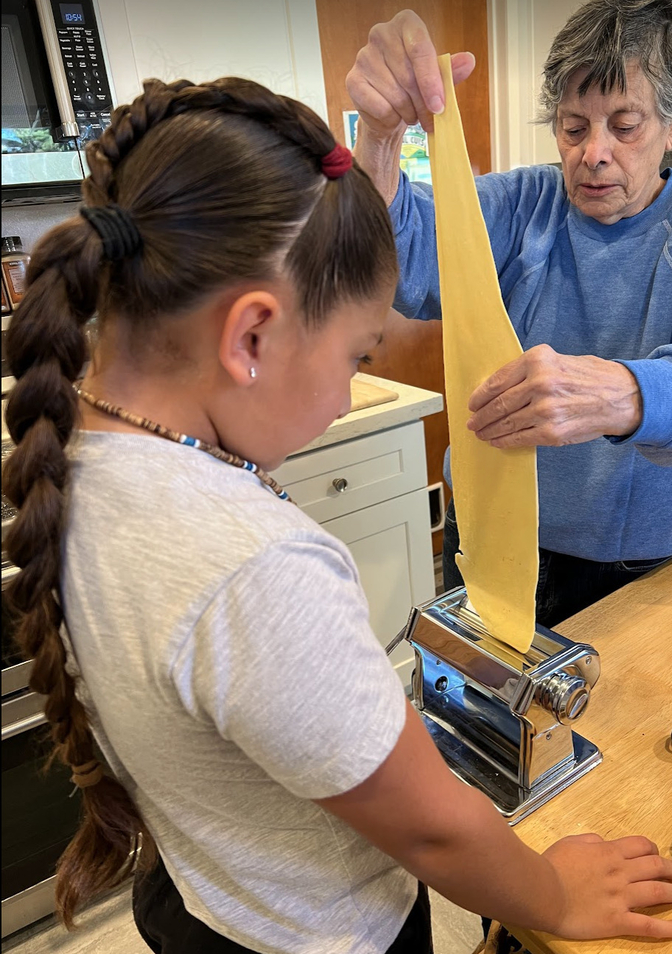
[{"x": 82, "y": 55}]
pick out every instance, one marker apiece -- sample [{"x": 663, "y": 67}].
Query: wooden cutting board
[{"x": 368, "y": 395}]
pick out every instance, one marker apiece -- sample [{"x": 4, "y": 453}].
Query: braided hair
[{"x": 223, "y": 182}]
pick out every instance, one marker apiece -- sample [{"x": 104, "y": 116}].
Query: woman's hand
[
  {"x": 548, "y": 398},
  {"x": 396, "y": 81}
]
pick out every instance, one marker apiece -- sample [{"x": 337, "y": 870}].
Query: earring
[{"x": 253, "y": 373}]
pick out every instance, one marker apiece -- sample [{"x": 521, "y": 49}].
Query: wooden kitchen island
[{"x": 630, "y": 719}]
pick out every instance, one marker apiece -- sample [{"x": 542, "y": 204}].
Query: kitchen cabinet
[
  {"x": 366, "y": 483},
  {"x": 392, "y": 547},
  {"x": 275, "y": 42}
]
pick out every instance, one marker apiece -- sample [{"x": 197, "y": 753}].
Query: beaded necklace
[{"x": 115, "y": 411}]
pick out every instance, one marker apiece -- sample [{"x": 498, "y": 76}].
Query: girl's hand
[{"x": 604, "y": 882}]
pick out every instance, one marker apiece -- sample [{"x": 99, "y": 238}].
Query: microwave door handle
[{"x": 68, "y": 122}]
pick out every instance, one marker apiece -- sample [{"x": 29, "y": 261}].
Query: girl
[{"x": 185, "y": 614}]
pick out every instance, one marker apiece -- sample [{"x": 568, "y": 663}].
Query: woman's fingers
[
  {"x": 400, "y": 64},
  {"x": 463, "y": 66},
  {"x": 409, "y": 44}
]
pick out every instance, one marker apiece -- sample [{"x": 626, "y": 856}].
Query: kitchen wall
[
  {"x": 275, "y": 42},
  {"x": 521, "y": 32}
]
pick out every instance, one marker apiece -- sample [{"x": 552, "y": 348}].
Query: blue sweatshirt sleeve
[
  {"x": 412, "y": 214},
  {"x": 653, "y": 437},
  {"x": 522, "y": 209}
]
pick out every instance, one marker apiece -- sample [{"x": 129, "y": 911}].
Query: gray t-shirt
[{"x": 231, "y": 676}]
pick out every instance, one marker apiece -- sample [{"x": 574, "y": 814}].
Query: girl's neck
[{"x": 172, "y": 404}]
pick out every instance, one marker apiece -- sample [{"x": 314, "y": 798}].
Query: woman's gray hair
[{"x": 603, "y": 36}]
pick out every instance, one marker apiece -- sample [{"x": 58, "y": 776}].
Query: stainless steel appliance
[
  {"x": 39, "y": 816},
  {"x": 56, "y": 96},
  {"x": 501, "y": 719}
]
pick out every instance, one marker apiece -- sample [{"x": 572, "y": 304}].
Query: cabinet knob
[{"x": 340, "y": 484}]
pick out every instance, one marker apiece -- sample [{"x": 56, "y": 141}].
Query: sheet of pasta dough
[{"x": 495, "y": 490}]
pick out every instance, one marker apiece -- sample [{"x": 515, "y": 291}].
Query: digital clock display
[{"x": 72, "y": 14}]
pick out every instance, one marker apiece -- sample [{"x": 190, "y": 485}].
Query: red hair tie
[{"x": 337, "y": 162}]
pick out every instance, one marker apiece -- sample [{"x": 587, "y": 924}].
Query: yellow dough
[{"x": 495, "y": 490}]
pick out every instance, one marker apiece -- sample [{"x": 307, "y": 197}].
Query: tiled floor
[{"x": 107, "y": 928}]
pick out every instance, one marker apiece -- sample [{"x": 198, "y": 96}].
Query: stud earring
[{"x": 253, "y": 373}]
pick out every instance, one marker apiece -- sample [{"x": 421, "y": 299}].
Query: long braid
[{"x": 46, "y": 351}]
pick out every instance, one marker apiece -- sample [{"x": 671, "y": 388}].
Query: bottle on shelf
[{"x": 14, "y": 267}]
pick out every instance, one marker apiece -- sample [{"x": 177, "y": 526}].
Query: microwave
[{"x": 56, "y": 96}]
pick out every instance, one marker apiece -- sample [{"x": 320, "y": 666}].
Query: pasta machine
[{"x": 501, "y": 719}]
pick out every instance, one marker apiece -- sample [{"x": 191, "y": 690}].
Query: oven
[
  {"x": 40, "y": 810},
  {"x": 56, "y": 96},
  {"x": 7, "y": 379}
]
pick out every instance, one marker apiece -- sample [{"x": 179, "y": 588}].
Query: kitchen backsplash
[{"x": 32, "y": 221}]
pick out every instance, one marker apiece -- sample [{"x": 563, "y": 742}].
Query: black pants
[
  {"x": 566, "y": 584},
  {"x": 167, "y": 927}
]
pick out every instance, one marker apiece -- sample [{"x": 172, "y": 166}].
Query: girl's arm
[{"x": 452, "y": 838}]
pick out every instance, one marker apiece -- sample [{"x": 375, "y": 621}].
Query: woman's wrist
[
  {"x": 379, "y": 155},
  {"x": 625, "y": 406}
]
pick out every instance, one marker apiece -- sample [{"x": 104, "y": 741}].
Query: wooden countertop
[{"x": 630, "y": 719}]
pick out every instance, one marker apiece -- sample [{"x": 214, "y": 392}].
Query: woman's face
[{"x": 611, "y": 147}]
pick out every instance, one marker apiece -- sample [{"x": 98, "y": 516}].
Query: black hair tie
[{"x": 116, "y": 228}]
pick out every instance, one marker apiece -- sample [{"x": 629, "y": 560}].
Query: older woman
[{"x": 584, "y": 259}]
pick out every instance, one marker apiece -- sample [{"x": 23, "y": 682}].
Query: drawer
[{"x": 367, "y": 470}]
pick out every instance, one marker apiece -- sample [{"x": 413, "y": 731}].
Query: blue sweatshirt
[{"x": 583, "y": 288}]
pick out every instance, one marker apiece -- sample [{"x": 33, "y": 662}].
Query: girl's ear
[{"x": 246, "y": 320}]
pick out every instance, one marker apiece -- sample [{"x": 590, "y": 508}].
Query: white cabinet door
[
  {"x": 275, "y": 42},
  {"x": 520, "y": 35},
  {"x": 391, "y": 544},
  {"x": 368, "y": 469}
]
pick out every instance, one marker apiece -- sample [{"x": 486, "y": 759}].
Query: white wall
[
  {"x": 275, "y": 42},
  {"x": 521, "y": 33}
]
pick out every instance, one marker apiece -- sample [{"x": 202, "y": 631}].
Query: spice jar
[{"x": 14, "y": 266}]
